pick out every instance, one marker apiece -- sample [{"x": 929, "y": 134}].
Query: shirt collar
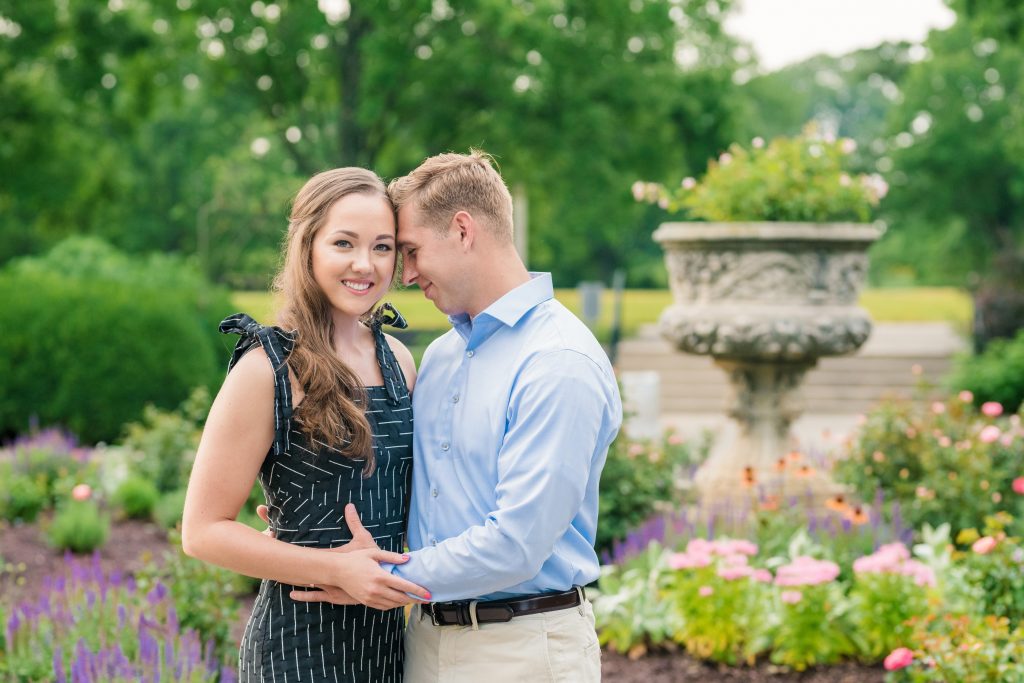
[{"x": 508, "y": 310}]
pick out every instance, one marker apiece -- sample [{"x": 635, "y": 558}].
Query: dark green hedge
[{"x": 89, "y": 338}]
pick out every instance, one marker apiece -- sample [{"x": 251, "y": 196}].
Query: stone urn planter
[{"x": 765, "y": 301}]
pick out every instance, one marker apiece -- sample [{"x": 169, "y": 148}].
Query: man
[{"x": 515, "y": 408}]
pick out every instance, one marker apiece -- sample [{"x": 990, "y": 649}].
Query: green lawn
[{"x": 642, "y": 306}]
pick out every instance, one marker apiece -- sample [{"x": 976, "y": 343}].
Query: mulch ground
[{"x": 132, "y": 545}]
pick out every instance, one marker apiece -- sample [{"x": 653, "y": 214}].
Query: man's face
[{"x": 433, "y": 262}]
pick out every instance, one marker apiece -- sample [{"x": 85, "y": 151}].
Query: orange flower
[
  {"x": 858, "y": 515},
  {"x": 837, "y": 503},
  {"x": 780, "y": 465},
  {"x": 749, "y": 477},
  {"x": 794, "y": 455},
  {"x": 804, "y": 471},
  {"x": 769, "y": 503}
]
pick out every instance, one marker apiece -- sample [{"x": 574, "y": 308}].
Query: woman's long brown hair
[{"x": 332, "y": 410}]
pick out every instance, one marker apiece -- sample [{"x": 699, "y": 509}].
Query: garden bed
[{"x": 140, "y": 543}]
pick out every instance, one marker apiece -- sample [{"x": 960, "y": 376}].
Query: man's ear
[{"x": 466, "y": 228}]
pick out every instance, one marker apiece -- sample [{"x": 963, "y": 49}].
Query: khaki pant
[{"x": 559, "y": 646}]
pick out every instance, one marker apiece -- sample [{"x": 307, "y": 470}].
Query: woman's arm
[{"x": 238, "y": 434}]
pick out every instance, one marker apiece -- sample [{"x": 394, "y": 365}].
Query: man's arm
[{"x": 559, "y": 405}]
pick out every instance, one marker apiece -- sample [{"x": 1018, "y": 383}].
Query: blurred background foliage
[
  {"x": 149, "y": 150},
  {"x": 186, "y": 125}
]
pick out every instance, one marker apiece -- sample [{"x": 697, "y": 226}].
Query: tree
[{"x": 575, "y": 99}]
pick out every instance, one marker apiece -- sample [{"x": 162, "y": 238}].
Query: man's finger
[
  {"x": 263, "y": 512},
  {"x": 355, "y": 524}
]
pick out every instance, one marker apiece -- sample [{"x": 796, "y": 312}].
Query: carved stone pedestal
[{"x": 765, "y": 300}]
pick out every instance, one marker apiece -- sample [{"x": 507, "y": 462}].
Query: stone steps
[{"x": 844, "y": 385}]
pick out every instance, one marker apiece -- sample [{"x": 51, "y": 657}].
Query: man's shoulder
[
  {"x": 440, "y": 348},
  {"x": 558, "y": 329}
]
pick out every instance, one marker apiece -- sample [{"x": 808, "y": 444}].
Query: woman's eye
[
  {"x": 383, "y": 247},
  {"x": 343, "y": 243}
]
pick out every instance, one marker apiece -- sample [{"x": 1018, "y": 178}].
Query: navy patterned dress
[{"x": 307, "y": 485}]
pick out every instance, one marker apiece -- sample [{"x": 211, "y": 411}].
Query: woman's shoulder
[{"x": 404, "y": 358}]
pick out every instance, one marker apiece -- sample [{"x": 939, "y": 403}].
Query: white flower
[
  {"x": 757, "y": 143},
  {"x": 638, "y": 190},
  {"x": 848, "y": 145},
  {"x": 725, "y": 159},
  {"x": 688, "y": 183}
]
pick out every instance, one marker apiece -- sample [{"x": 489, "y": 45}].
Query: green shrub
[
  {"x": 38, "y": 470},
  {"x": 90, "y": 354},
  {"x": 639, "y": 476},
  {"x": 136, "y": 497},
  {"x": 164, "y": 442},
  {"x": 22, "y": 498},
  {"x": 168, "y": 509},
  {"x": 936, "y": 463},
  {"x": 79, "y": 526},
  {"x": 997, "y": 374}
]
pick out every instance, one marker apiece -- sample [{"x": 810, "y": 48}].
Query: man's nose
[{"x": 409, "y": 273}]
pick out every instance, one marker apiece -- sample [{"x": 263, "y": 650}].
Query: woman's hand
[{"x": 360, "y": 578}]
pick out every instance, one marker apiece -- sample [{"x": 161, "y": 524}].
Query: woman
[{"x": 319, "y": 411}]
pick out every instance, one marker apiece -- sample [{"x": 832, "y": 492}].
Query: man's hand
[
  {"x": 263, "y": 512},
  {"x": 360, "y": 578}
]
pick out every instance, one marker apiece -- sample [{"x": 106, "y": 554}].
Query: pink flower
[
  {"x": 791, "y": 597},
  {"x": 734, "y": 572},
  {"x": 81, "y": 492},
  {"x": 1018, "y": 485},
  {"x": 676, "y": 439},
  {"x": 762, "y": 576},
  {"x": 848, "y": 145},
  {"x": 688, "y": 560},
  {"x": 984, "y": 545},
  {"x": 965, "y": 396},
  {"x": 663, "y": 203},
  {"x": 757, "y": 143},
  {"x": 899, "y": 658},
  {"x": 992, "y": 409},
  {"x": 945, "y": 441},
  {"x": 1007, "y": 439},
  {"x": 705, "y": 591},
  {"x": 938, "y": 407},
  {"x": 688, "y": 183},
  {"x": 725, "y": 159},
  {"x": 806, "y": 571},
  {"x": 990, "y": 433}
]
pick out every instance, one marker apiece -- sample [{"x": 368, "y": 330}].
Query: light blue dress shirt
[{"x": 514, "y": 412}]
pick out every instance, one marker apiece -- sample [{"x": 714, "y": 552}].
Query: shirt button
[
  {"x": 433, "y": 492},
  {"x": 433, "y": 541},
  {"x": 469, "y": 354},
  {"x": 455, "y": 398},
  {"x": 445, "y": 446}
]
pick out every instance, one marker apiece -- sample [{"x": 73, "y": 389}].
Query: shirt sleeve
[{"x": 559, "y": 413}]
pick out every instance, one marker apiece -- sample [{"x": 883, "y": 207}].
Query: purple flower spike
[{"x": 58, "y": 666}]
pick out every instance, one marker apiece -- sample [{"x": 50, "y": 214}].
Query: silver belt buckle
[{"x": 433, "y": 616}]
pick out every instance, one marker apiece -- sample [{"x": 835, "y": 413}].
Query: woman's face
[{"x": 354, "y": 253}]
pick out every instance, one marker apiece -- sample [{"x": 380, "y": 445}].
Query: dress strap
[
  {"x": 394, "y": 380},
  {"x": 278, "y": 345}
]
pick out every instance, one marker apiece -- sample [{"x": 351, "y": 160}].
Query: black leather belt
[{"x": 498, "y": 611}]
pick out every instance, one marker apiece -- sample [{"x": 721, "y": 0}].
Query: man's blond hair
[{"x": 448, "y": 183}]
